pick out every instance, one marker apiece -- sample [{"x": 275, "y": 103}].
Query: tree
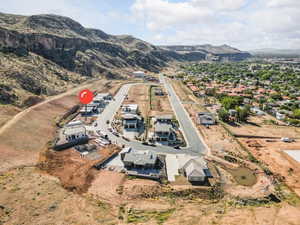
[
  {"x": 276, "y": 96},
  {"x": 242, "y": 113},
  {"x": 231, "y": 102},
  {"x": 296, "y": 113},
  {"x": 223, "y": 115}
]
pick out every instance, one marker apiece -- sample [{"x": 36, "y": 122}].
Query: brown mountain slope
[{"x": 41, "y": 54}]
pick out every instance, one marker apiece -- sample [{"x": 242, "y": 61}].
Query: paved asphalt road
[
  {"x": 194, "y": 141},
  {"x": 191, "y": 133}
]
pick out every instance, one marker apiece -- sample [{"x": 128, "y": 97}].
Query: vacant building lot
[
  {"x": 159, "y": 104},
  {"x": 139, "y": 94}
]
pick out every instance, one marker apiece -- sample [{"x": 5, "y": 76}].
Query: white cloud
[
  {"x": 161, "y": 14},
  {"x": 277, "y": 19},
  {"x": 241, "y": 23},
  {"x": 219, "y": 4},
  {"x": 283, "y": 3}
]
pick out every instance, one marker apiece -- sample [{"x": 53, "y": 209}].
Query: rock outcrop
[{"x": 42, "y": 54}]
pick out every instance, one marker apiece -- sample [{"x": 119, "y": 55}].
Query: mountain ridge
[
  {"x": 275, "y": 51},
  {"x": 76, "y": 52}
]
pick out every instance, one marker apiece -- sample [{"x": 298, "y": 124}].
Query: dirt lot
[
  {"x": 160, "y": 105},
  {"x": 139, "y": 94},
  {"x": 115, "y": 188},
  {"x": 74, "y": 172},
  {"x": 257, "y": 126},
  {"x": 21, "y": 143},
  {"x": 224, "y": 214},
  {"x": 30, "y": 197}
]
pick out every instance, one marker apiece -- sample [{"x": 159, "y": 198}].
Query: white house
[
  {"x": 130, "y": 108},
  {"x": 280, "y": 116},
  {"x": 74, "y": 123},
  {"x": 75, "y": 133},
  {"x": 196, "y": 170}
]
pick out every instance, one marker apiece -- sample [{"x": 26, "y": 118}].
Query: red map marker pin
[{"x": 86, "y": 96}]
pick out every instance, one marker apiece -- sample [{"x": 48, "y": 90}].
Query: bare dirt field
[
  {"x": 30, "y": 197},
  {"x": 139, "y": 94},
  {"x": 115, "y": 188},
  {"x": 257, "y": 126},
  {"x": 222, "y": 213},
  {"x": 74, "y": 172},
  {"x": 106, "y": 185},
  {"x": 160, "y": 105}
]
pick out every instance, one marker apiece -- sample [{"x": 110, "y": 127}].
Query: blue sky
[{"x": 245, "y": 24}]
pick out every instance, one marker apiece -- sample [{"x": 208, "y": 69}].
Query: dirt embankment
[{"x": 75, "y": 172}]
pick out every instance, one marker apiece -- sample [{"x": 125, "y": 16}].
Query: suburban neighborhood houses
[
  {"x": 98, "y": 124},
  {"x": 188, "y": 133}
]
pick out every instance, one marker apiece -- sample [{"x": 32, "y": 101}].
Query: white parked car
[{"x": 286, "y": 139}]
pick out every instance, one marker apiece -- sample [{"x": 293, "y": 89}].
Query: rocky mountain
[
  {"x": 42, "y": 54},
  {"x": 223, "y": 52}
]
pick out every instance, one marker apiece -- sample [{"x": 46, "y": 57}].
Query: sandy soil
[
  {"x": 278, "y": 162},
  {"x": 258, "y": 127},
  {"x": 193, "y": 214},
  {"x": 30, "y": 197},
  {"x": 139, "y": 94},
  {"x": 29, "y": 136},
  {"x": 7, "y": 112},
  {"x": 137, "y": 187},
  {"x": 74, "y": 172},
  {"x": 160, "y": 104},
  {"x": 106, "y": 184},
  {"x": 115, "y": 188}
]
